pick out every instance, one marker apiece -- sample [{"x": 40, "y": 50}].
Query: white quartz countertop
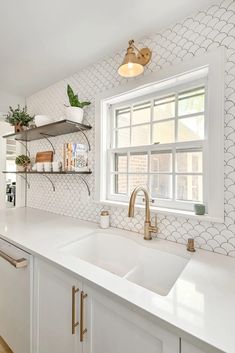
[{"x": 201, "y": 302}]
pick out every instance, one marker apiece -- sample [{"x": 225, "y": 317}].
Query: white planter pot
[
  {"x": 74, "y": 114},
  {"x": 20, "y": 168},
  {"x": 41, "y": 120}
]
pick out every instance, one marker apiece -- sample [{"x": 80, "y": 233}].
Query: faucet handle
[
  {"x": 153, "y": 229},
  {"x": 150, "y": 201}
]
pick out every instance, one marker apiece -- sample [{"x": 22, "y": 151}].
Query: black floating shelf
[
  {"x": 51, "y": 173},
  {"x": 57, "y": 128}
]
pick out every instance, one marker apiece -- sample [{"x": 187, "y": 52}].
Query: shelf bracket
[
  {"x": 85, "y": 183},
  {"x": 52, "y": 184},
  {"x": 88, "y": 143},
  {"x": 47, "y": 137},
  {"x": 25, "y": 179},
  {"x": 25, "y": 146}
]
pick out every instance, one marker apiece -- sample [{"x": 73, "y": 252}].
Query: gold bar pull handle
[
  {"x": 74, "y": 322},
  {"x": 82, "y": 329},
  {"x": 17, "y": 263}
]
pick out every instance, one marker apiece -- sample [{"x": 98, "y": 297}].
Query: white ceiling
[{"x": 43, "y": 41}]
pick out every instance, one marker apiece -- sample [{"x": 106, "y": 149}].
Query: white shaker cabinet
[
  {"x": 188, "y": 348},
  {"x": 15, "y": 297},
  {"x": 114, "y": 328},
  {"x": 74, "y": 317},
  {"x": 56, "y": 310}
]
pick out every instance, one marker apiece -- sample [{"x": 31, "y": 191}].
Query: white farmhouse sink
[
  {"x": 111, "y": 252},
  {"x": 157, "y": 270},
  {"x": 145, "y": 266}
]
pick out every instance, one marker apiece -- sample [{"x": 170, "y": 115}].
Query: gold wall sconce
[{"x": 134, "y": 61}]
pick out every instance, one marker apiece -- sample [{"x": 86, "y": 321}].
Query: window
[
  {"x": 158, "y": 143},
  {"x": 166, "y": 135}
]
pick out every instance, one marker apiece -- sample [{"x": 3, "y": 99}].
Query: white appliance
[{"x": 15, "y": 303}]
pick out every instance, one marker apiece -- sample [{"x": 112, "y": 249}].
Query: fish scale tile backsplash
[{"x": 195, "y": 35}]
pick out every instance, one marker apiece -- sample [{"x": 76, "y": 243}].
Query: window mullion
[
  {"x": 173, "y": 174},
  {"x": 128, "y": 173},
  {"x": 148, "y": 171},
  {"x": 151, "y": 142},
  {"x": 151, "y": 121},
  {"x": 131, "y": 115},
  {"x": 113, "y": 138},
  {"x": 176, "y": 117},
  {"x": 167, "y": 147}
]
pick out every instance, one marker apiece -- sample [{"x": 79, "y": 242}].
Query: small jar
[{"x": 104, "y": 219}]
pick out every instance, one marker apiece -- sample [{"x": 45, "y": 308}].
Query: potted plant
[
  {"x": 19, "y": 118},
  {"x": 75, "y": 111},
  {"x": 22, "y": 161}
]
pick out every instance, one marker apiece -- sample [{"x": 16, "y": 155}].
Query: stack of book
[{"x": 75, "y": 157}]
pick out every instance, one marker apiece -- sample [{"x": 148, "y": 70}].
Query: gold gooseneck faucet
[{"x": 148, "y": 228}]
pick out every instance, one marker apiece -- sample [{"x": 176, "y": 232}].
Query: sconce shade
[{"x": 130, "y": 66}]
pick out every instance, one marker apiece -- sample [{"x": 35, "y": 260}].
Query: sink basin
[
  {"x": 147, "y": 267},
  {"x": 157, "y": 271},
  {"x": 111, "y": 252}
]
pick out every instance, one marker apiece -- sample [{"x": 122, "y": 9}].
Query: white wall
[{"x": 7, "y": 99}]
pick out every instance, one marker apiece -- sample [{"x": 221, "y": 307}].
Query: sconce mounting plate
[{"x": 144, "y": 56}]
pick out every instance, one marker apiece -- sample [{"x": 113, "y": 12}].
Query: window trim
[
  {"x": 172, "y": 202},
  {"x": 213, "y": 64}
]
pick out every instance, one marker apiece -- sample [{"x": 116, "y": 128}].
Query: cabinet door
[
  {"x": 113, "y": 328},
  {"x": 15, "y": 304},
  {"x": 188, "y": 348},
  {"x": 56, "y": 308}
]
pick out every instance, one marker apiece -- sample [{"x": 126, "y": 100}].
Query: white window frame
[
  {"x": 173, "y": 147},
  {"x": 210, "y": 67}
]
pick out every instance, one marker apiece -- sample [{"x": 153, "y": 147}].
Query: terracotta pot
[{"x": 19, "y": 127}]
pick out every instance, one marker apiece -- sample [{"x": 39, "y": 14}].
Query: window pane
[
  {"x": 164, "y": 132},
  {"x": 191, "y": 102},
  {"x": 161, "y": 186},
  {"x": 123, "y": 137},
  {"x": 189, "y": 162},
  {"x": 189, "y": 187},
  {"x": 140, "y": 135},
  {"x": 120, "y": 183},
  {"x": 191, "y": 129},
  {"x": 138, "y": 163},
  {"x": 164, "y": 108},
  {"x": 141, "y": 113},
  {"x": 161, "y": 162},
  {"x": 136, "y": 180},
  {"x": 120, "y": 163},
  {"x": 123, "y": 117}
]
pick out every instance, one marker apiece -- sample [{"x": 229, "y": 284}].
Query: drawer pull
[
  {"x": 74, "y": 322},
  {"x": 20, "y": 263},
  {"x": 82, "y": 330}
]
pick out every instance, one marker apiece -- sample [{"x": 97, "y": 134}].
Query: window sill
[{"x": 168, "y": 211}]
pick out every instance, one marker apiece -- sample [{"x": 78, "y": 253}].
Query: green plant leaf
[
  {"x": 22, "y": 160},
  {"x": 71, "y": 95},
  {"x": 83, "y": 104},
  {"x": 18, "y": 116},
  {"x": 73, "y": 99}
]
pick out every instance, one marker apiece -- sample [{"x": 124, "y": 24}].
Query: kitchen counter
[{"x": 200, "y": 304}]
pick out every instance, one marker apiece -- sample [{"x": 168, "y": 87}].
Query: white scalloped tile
[{"x": 201, "y": 32}]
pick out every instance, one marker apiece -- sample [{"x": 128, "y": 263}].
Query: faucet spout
[{"x": 148, "y": 228}]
